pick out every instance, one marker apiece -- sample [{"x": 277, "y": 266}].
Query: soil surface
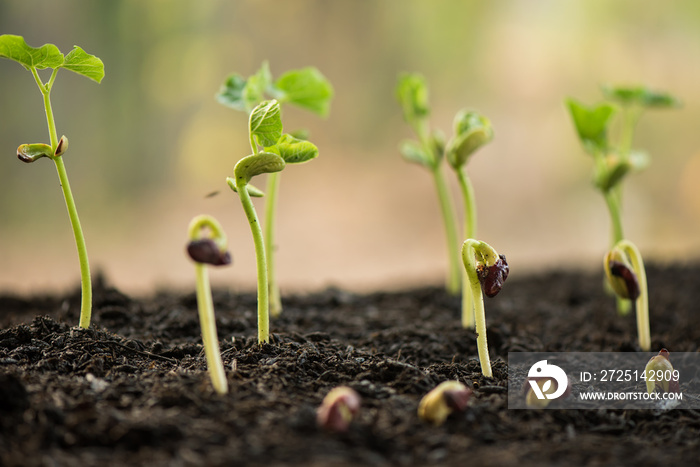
[{"x": 133, "y": 389}]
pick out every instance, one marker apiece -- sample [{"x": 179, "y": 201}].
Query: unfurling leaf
[
  {"x": 266, "y": 123},
  {"x": 412, "y": 94},
  {"x": 471, "y": 131},
  {"x": 591, "y": 123},
  {"x": 256, "y": 164},
  {"x": 292, "y": 150},
  {"x": 231, "y": 93},
  {"x": 306, "y": 88},
  {"x": 413, "y": 152},
  {"x": 254, "y": 90}
]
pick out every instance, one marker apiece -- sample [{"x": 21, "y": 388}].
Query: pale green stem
[
  {"x": 612, "y": 199},
  {"x": 642, "y": 303},
  {"x": 488, "y": 256},
  {"x": 469, "y": 232},
  {"x": 272, "y": 191},
  {"x": 209, "y": 336},
  {"x": 454, "y": 275},
  {"x": 261, "y": 261},
  {"x": 85, "y": 280}
]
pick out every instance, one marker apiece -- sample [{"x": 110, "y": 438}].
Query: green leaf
[
  {"x": 591, "y": 123},
  {"x": 256, "y": 164},
  {"x": 15, "y": 48},
  {"x": 413, "y": 152},
  {"x": 30, "y": 152},
  {"x": 84, "y": 64},
  {"x": 231, "y": 93},
  {"x": 266, "y": 123},
  {"x": 412, "y": 94},
  {"x": 252, "y": 191},
  {"x": 472, "y": 131},
  {"x": 640, "y": 95},
  {"x": 294, "y": 151},
  {"x": 257, "y": 84},
  {"x": 306, "y": 88}
]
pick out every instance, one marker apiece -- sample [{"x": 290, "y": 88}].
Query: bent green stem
[
  {"x": 469, "y": 232},
  {"x": 487, "y": 256},
  {"x": 85, "y": 279},
  {"x": 454, "y": 274},
  {"x": 642, "y": 303},
  {"x": 273, "y": 183},
  {"x": 209, "y": 335},
  {"x": 261, "y": 262}
]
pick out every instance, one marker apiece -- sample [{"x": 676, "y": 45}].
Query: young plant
[
  {"x": 443, "y": 400},
  {"x": 612, "y": 162},
  {"x": 207, "y": 245},
  {"x": 306, "y": 88},
  {"x": 78, "y": 61},
  {"x": 428, "y": 151},
  {"x": 272, "y": 151},
  {"x": 624, "y": 270},
  {"x": 487, "y": 271},
  {"x": 338, "y": 409},
  {"x": 471, "y": 131},
  {"x": 660, "y": 375}
]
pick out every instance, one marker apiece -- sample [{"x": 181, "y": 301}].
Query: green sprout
[
  {"x": 428, "y": 151},
  {"x": 487, "y": 271},
  {"x": 659, "y": 374},
  {"x": 272, "y": 151},
  {"x": 624, "y": 270},
  {"x": 207, "y": 245},
  {"x": 306, "y": 88},
  {"x": 612, "y": 162},
  {"x": 444, "y": 399},
  {"x": 49, "y": 57}
]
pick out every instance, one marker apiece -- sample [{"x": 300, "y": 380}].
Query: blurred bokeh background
[{"x": 150, "y": 142}]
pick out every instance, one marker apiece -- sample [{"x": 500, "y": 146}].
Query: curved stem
[
  {"x": 273, "y": 183},
  {"x": 469, "y": 251},
  {"x": 208, "y": 323},
  {"x": 612, "y": 199},
  {"x": 261, "y": 261},
  {"x": 469, "y": 232},
  {"x": 642, "y": 304},
  {"x": 85, "y": 279},
  {"x": 454, "y": 275}
]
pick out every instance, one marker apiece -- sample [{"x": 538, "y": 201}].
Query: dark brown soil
[{"x": 133, "y": 390}]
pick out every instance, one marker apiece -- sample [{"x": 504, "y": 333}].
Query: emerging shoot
[
  {"x": 487, "y": 271},
  {"x": 612, "y": 162},
  {"x": 338, "y": 409},
  {"x": 207, "y": 245},
  {"x": 625, "y": 272},
  {"x": 306, "y": 88},
  {"x": 272, "y": 150},
  {"x": 660, "y": 375},
  {"x": 78, "y": 61},
  {"x": 440, "y": 402}
]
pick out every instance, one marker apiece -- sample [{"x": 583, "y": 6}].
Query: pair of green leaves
[
  {"x": 592, "y": 124},
  {"x": 471, "y": 130},
  {"x": 48, "y": 56},
  {"x": 279, "y": 149},
  {"x": 306, "y": 88}
]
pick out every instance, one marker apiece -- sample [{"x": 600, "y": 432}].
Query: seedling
[
  {"x": 471, "y": 131},
  {"x": 272, "y": 150},
  {"x": 487, "y": 271},
  {"x": 207, "y": 245},
  {"x": 49, "y": 57},
  {"x": 428, "y": 151},
  {"x": 660, "y": 375},
  {"x": 624, "y": 269},
  {"x": 612, "y": 162},
  {"x": 443, "y": 400},
  {"x": 338, "y": 409},
  {"x": 306, "y": 88}
]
